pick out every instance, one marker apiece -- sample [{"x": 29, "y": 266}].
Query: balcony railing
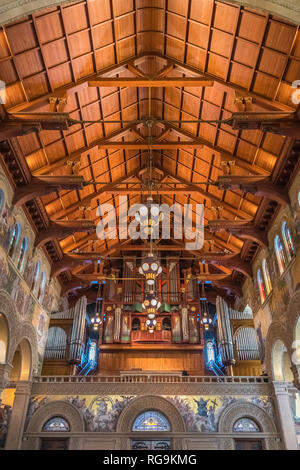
[{"x": 148, "y": 378}]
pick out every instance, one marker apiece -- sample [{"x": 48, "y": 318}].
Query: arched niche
[
  {"x": 281, "y": 363},
  {"x": 22, "y": 362},
  {"x": 145, "y": 403},
  {"x": 60, "y": 408},
  {"x": 253, "y": 412},
  {"x": 4, "y": 337}
]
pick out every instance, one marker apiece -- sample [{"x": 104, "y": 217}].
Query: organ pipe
[
  {"x": 78, "y": 331},
  {"x": 224, "y": 332}
]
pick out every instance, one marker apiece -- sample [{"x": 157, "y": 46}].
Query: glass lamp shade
[
  {"x": 96, "y": 321},
  {"x": 151, "y": 303},
  {"x": 206, "y": 321}
]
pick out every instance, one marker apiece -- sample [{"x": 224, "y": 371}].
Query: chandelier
[
  {"x": 96, "y": 319},
  {"x": 149, "y": 217},
  {"x": 151, "y": 305},
  {"x": 150, "y": 268},
  {"x": 206, "y": 320}
]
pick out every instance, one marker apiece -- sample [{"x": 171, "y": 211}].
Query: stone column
[
  {"x": 4, "y": 376},
  {"x": 18, "y": 416},
  {"x": 285, "y": 416}
]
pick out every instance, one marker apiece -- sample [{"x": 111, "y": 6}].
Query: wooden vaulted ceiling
[{"x": 50, "y": 60}]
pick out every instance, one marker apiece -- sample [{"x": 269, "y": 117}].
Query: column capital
[
  {"x": 23, "y": 387},
  {"x": 280, "y": 388}
]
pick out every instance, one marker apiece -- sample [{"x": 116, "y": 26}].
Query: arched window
[
  {"x": 2, "y": 201},
  {"x": 279, "y": 254},
  {"x": 266, "y": 275},
  {"x": 34, "y": 286},
  {"x": 261, "y": 287},
  {"x": 245, "y": 425},
  {"x": 14, "y": 240},
  {"x": 136, "y": 324},
  {"x": 151, "y": 421},
  {"x": 166, "y": 324},
  {"x": 41, "y": 291},
  {"x": 287, "y": 240},
  {"x": 23, "y": 249},
  {"x": 56, "y": 424}
]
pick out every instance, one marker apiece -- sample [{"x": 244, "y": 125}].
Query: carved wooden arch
[
  {"x": 276, "y": 332},
  {"x": 246, "y": 410},
  {"x": 145, "y": 403},
  {"x": 60, "y": 408}
]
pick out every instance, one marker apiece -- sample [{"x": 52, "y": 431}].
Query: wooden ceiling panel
[
  {"x": 105, "y": 57},
  {"x": 252, "y": 27},
  {"x": 239, "y": 55},
  {"x": 21, "y": 37},
  {"x": 249, "y": 53},
  {"x": 196, "y": 57},
  {"x": 202, "y": 11},
  {"x": 280, "y": 36},
  {"x": 60, "y": 75},
  {"x": 225, "y": 17},
  {"x": 272, "y": 63},
  {"x": 175, "y": 48}
]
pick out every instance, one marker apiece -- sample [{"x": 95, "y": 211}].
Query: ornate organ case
[{"x": 125, "y": 343}]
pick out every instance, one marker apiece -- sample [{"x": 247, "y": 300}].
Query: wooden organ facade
[{"x": 125, "y": 342}]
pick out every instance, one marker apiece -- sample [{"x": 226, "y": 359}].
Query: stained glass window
[
  {"x": 56, "y": 424},
  {"x": 266, "y": 275},
  {"x": 42, "y": 287},
  {"x": 2, "y": 201},
  {"x": 245, "y": 425},
  {"x": 151, "y": 421},
  {"x": 261, "y": 287},
  {"x": 287, "y": 239},
  {"x": 14, "y": 240},
  {"x": 36, "y": 276},
  {"x": 279, "y": 254},
  {"x": 22, "y": 253}
]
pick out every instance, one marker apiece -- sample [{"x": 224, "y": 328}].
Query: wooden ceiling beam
[
  {"x": 62, "y": 229},
  {"x": 151, "y": 82},
  {"x": 45, "y": 185},
  {"x": 226, "y": 156},
  {"x": 210, "y": 196},
  {"x": 70, "y": 88},
  {"x": 155, "y": 146},
  {"x": 88, "y": 199},
  {"x": 245, "y": 230},
  {"x": 75, "y": 156},
  {"x": 263, "y": 102},
  {"x": 263, "y": 187}
]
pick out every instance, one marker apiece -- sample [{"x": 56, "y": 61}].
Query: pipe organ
[
  {"x": 179, "y": 342},
  {"x": 66, "y": 340}
]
